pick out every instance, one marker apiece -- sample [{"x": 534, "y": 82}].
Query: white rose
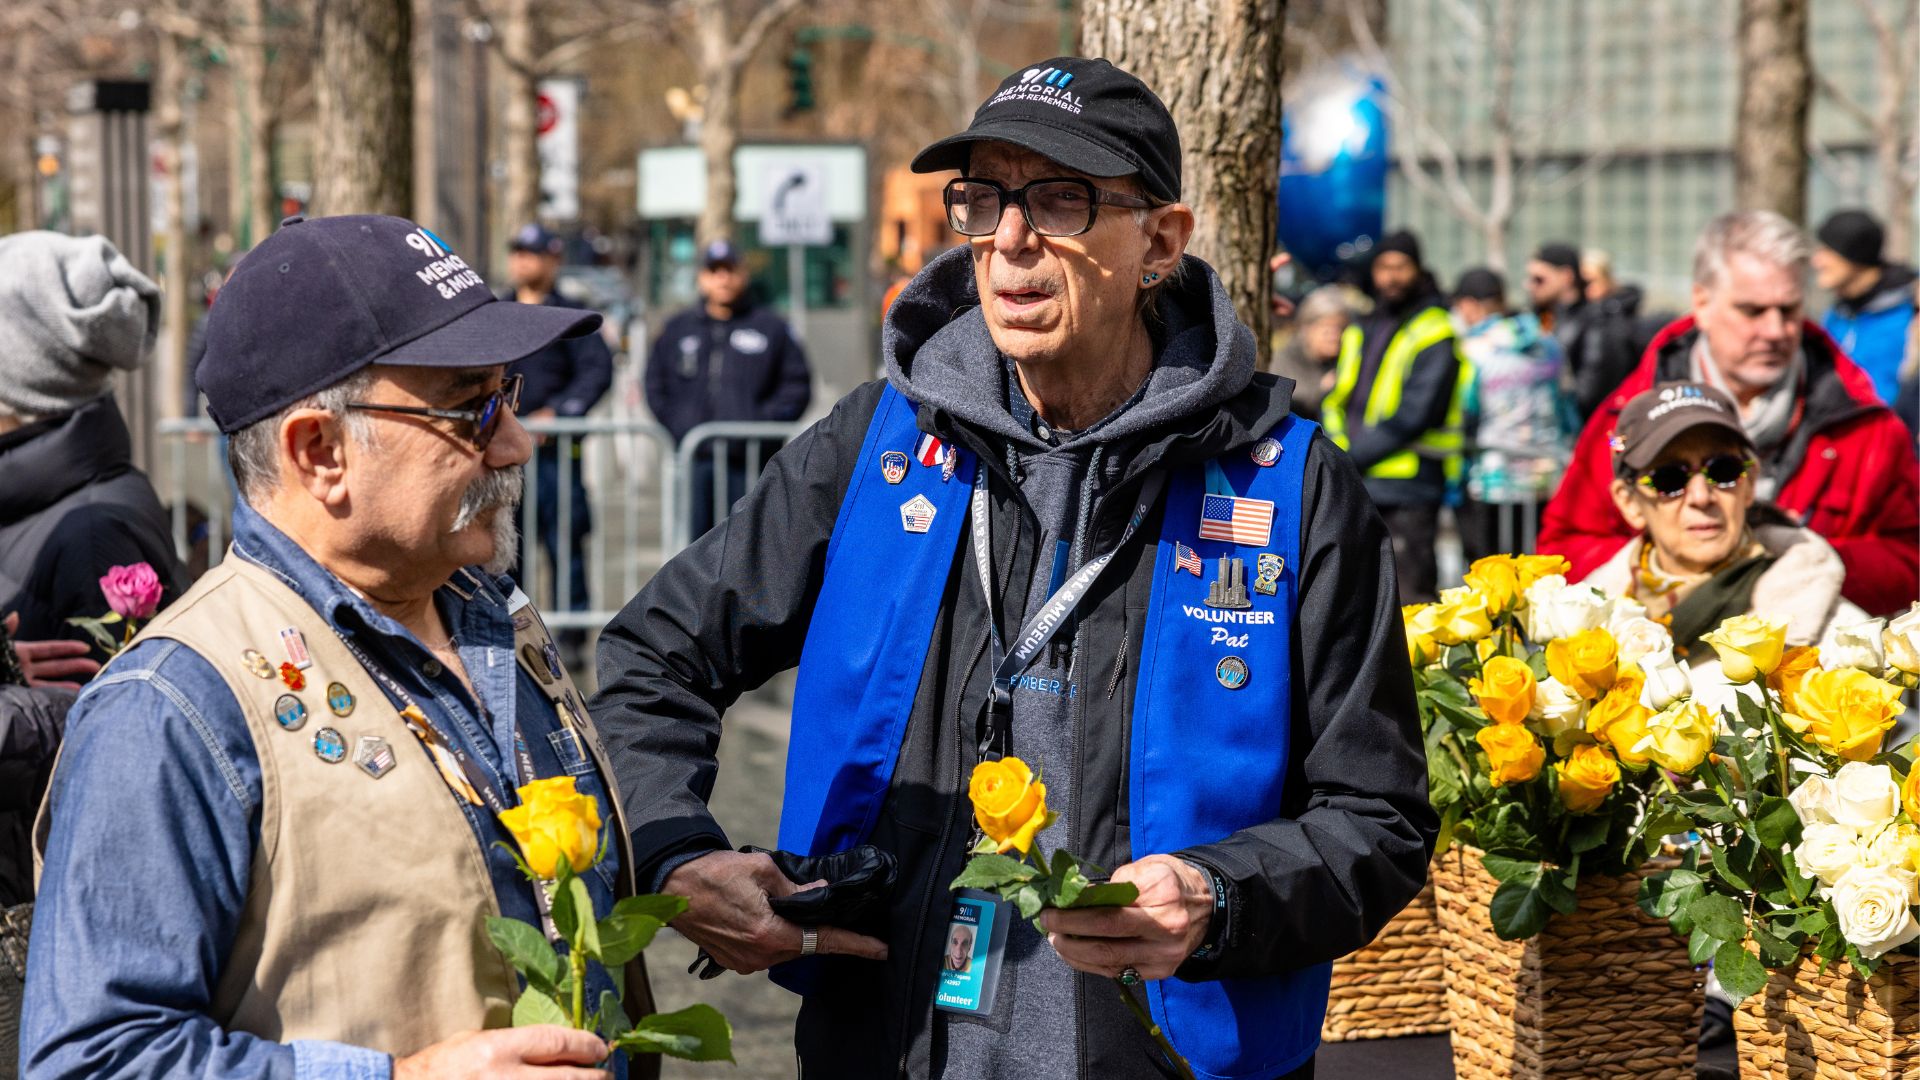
[
  {"x": 1813, "y": 801},
  {"x": 1876, "y": 909},
  {"x": 1863, "y": 796},
  {"x": 1640, "y": 638},
  {"x": 1667, "y": 680},
  {"x": 1557, "y": 610},
  {"x": 1901, "y": 641},
  {"x": 1827, "y": 852},
  {"x": 1623, "y": 610},
  {"x": 1895, "y": 845},
  {"x": 1856, "y": 646},
  {"x": 1557, "y": 710}
]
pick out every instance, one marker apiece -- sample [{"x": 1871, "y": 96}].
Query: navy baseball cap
[
  {"x": 720, "y": 253},
  {"x": 1085, "y": 114},
  {"x": 321, "y": 299},
  {"x": 534, "y": 237}
]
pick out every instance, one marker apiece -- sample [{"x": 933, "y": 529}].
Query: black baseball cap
[
  {"x": 1481, "y": 283},
  {"x": 1085, "y": 114},
  {"x": 720, "y": 253},
  {"x": 321, "y": 299},
  {"x": 536, "y": 238},
  {"x": 1653, "y": 418},
  {"x": 1564, "y": 256}
]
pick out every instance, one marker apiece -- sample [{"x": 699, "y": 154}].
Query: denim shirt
[{"x": 156, "y": 819}]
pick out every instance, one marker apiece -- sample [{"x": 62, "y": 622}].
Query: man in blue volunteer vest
[{"x": 1070, "y": 423}]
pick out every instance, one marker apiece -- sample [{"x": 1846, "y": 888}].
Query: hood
[
  {"x": 939, "y": 354},
  {"x": 45, "y": 462},
  {"x": 1894, "y": 289}
]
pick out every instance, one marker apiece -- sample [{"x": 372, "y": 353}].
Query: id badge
[{"x": 975, "y": 944}]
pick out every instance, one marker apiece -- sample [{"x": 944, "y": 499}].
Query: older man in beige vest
[{"x": 273, "y": 839}]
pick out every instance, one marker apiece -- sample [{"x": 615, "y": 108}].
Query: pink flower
[{"x": 133, "y": 592}]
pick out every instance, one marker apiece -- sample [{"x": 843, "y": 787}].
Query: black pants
[
  {"x": 1413, "y": 529},
  {"x": 1484, "y": 525}
]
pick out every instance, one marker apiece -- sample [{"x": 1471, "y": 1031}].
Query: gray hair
[
  {"x": 1325, "y": 302},
  {"x": 253, "y": 452},
  {"x": 1762, "y": 234}
]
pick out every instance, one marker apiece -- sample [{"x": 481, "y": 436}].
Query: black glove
[{"x": 858, "y": 885}]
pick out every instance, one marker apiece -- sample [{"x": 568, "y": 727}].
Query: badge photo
[
  {"x": 893, "y": 466},
  {"x": 290, "y": 712},
  {"x": 975, "y": 944}
]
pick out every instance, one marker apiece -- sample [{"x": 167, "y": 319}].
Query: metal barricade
[
  {"x": 628, "y": 468},
  {"x": 716, "y": 438}
]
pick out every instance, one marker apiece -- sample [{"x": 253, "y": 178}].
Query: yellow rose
[
  {"x": 1514, "y": 754},
  {"x": 1585, "y": 663},
  {"x": 1910, "y": 795},
  {"x": 1620, "y": 720},
  {"x": 554, "y": 822},
  {"x": 1461, "y": 617},
  {"x": 1795, "y": 665},
  {"x": 1497, "y": 577},
  {"x": 1848, "y": 711},
  {"x": 1680, "y": 736},
  {"x": 1587, "y": 777},
  {"x": 1896, "y": 844},
  {"x": 1749, "y": 646},
  {"x": 1534, "y": 567},
  {"x": 1504, "y": 689},
  {"x": 1421, "y": 622},
  {"x": 1009, "y": 804}
]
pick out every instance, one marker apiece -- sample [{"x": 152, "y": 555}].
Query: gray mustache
[{"x": 501, "y": 487}]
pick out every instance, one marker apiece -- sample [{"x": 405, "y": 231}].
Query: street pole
[{"x": 797, "y": 289}]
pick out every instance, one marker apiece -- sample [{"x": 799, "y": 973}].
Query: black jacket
[
  {"x": 72, "y": 506},
  {"x": 32, "y": 721},
  {"x": 748, "y": 367},
  {"x": 1599, "y": 343},
  {"x": 1348, "y": 852},
  {"x": 570, "y": 375}
]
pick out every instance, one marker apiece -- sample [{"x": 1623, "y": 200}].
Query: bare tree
[
  {"x": 363, "y": 153},
  {"x": 721, "y": 51},
  {"x": 1896, "y": 48},
  {"x": 270, "y": 78},
  {"x": 1433, "y": 160},
  {"x": 1770, "y": 129},
  {"x": 1218, "y": 68}
]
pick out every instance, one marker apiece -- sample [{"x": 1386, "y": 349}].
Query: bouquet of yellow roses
[
  {"x": 1551, "y": 713},
  {"x": 1808, "y": 830}
]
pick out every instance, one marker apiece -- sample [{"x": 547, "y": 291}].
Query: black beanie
[
  {"x": 1402, "y": 241},
  {"x": 1854, "y": 236}
]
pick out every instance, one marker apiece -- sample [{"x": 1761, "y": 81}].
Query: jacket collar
[{"x": 46, "y": 462}]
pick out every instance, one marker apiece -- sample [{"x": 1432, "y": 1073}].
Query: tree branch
[{"x": 764, "y": 19}]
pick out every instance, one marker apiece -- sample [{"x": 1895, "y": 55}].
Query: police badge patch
[
  {"x": 1266, "y": 573},
  {"x": 893, "y": 466}
]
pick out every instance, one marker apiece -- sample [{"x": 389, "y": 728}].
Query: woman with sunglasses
[{"x": 1684, "y": 472}]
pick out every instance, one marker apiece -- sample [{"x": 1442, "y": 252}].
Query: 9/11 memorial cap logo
[{"x": 321, "y": 299}]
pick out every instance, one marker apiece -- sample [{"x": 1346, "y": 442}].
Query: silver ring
[
  {"x": 809, "y": 940},
  {"x": 1129, "y": 976}
]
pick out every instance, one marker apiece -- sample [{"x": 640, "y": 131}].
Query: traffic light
[{"x": 799, "y": 80}]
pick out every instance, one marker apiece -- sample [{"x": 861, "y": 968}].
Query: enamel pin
[
  {"x": 257, "y": 663},
  {"x": 290, "y": 712},
  {"x": 1266, "y": 452},
  {"x": 330, "y": 746},
  {"x": 893, "y": 466},
  {"x": 916, "y": 514},
  {"x": 374, "y": 755},
  {"x": 296, "y": 648},
  {"x": 1231, "y": 671},
  {"x": 1266, "y": 573},
  {"x": 339, "y": 700}
]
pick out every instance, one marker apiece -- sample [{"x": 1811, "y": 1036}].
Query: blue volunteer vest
[{"x": 1206, "y": 760}]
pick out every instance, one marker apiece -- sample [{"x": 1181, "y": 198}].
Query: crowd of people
[{"x": 1071, "y": 525}]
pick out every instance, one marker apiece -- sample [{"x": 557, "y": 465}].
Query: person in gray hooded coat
[{"x": 73, "y": 311}]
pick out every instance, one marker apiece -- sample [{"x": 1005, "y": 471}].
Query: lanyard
[{"x": 1047, "y": 620}]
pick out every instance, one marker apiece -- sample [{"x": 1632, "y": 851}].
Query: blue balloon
[{"x": 1333, "y": 176}]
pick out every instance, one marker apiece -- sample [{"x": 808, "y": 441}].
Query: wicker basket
[
  {"x": 1395, "y": 986},
  {"x": 1807, "y": 1024},
  {"x": 1604, "y": 992}
]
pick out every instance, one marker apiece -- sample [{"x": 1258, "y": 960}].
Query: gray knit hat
[{"x": 72, "y": 311}]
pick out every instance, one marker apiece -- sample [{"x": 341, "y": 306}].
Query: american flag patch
[
  {"x": 929, "y": 450},
  {"x": 1236, "y": 520},
  {"x": 1185, "y": 558},
  {"x": 916, "y": 514}
]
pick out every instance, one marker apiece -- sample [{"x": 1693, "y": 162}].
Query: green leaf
[
  {"x": 1719, "y": 915},
  {"x": 1028, "y": 900},
  {"x": 662, "y": 906},
  {"x": 1557, "y": 887},
  {"x": 1775, "y": 824},
  {"x": 1664, "y": 893},
  {"x": 1730, "y": 870},
  {"x": 1518, "y": 911},
  {"x": 527, "y": 949},
  {"x": 1588, "y": 833},
  {"x": 993, "y": 871},
  {"x": 1106, "y": 894},
  {"x": 589, "y": 926},
  {"x": 611, "y": 1021},
  {"x": 535, "y": 1007},
  {"x": 1740, "y": 972},
  {"x": 1751, "y": 712},
  {"x": 518, "y": 860},
  {"x": 695, "y": 1033},
  {"x": 565, "y": 921},
  {"x": 1503, "y": 869},
  {"x": 1501, "y": 828},
  {"x": 1775, "y": 951},
  {"x": 623, "y": 937},
  {"x": 1701, "y": 946}
]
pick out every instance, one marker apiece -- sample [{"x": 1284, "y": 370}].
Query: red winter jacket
[{"x": 1847, "y": 472}]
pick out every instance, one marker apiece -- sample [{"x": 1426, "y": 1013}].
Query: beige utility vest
[{"x": 365, "y": 913}]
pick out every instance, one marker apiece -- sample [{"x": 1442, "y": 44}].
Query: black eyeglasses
[
  {"x": 482, "y": 414},
  {"x": 1055, "y": 206},
  {"x": 1670, "y": 481}
]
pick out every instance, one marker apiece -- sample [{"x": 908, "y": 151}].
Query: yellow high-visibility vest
[{"x": 1443, "y": 443}]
